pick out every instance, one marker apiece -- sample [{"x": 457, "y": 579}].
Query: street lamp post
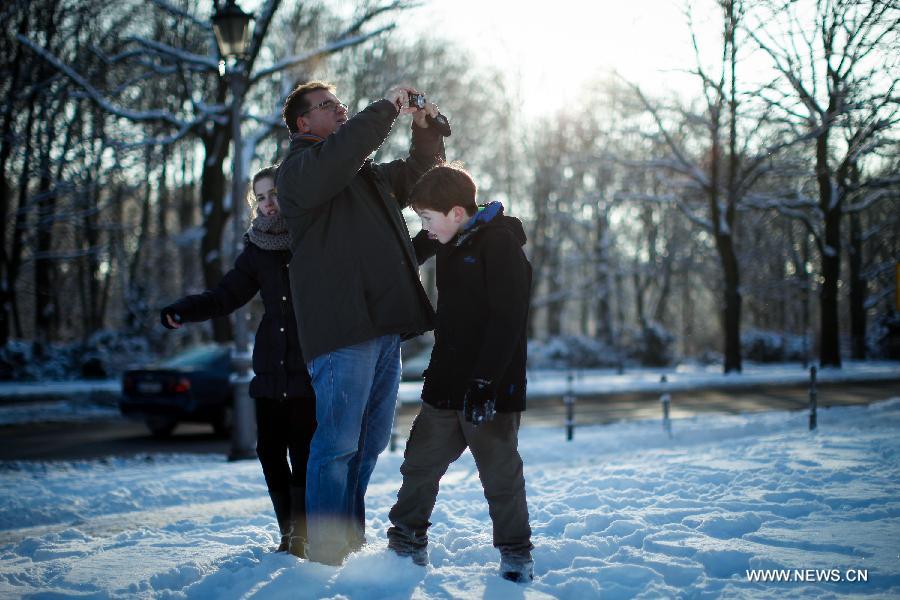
[{"x": 232, "y": 29}]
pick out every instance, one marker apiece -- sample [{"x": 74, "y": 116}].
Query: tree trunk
[
  {"x": 92, "y": 230},
  {"x": 21, "y": 224},
  {"x": 186, "y": 205},
  {"x": 540, "y": 201},
  {"x": 603, "y": 327},
  {"x": 725, "y": 239},
  {"x": 731, "y": 314},
  {"x": 858, "y": 284},
  {"x": 135, "y": 292},
  {"x": 805, "y": 299},
  {"x": 858, "y": 281},
  {"x": 662, "y": 304},
  {"x": 555, "y": 308},
  {"x": 7, "y": 282},
  {"x": 829, "y": 345},
  {"x": 163, "y": 257},
  {"x": 212, "y": 192},
  {"x": 45, "y": 309},
  {"x": 638, "y": 294},
  {"x": 722, "y": 229},
  {"x": 687, "y": 310}
]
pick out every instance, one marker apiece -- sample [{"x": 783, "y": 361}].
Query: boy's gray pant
[{"x": 437, "y": 438}]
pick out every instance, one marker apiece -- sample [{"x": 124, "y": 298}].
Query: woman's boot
[
  {"x": 281, "y": 502},
  {"x": 297, "y": 543}
]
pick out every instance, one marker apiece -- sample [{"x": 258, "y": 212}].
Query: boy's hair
[
  {"x": 296, "y": 103},
  {"x": 444, "y": 186},
  {"x": 269, "y": 172}
]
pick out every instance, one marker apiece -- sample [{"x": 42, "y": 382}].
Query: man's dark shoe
[{"x": 519, "y": 569}]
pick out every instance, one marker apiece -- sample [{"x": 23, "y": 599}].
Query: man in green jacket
[{"x": 355, "y": 288}]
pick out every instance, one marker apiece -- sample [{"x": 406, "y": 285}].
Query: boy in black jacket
[{"x": 474, "y": 391}]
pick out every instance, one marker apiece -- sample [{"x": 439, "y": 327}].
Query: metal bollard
[
  {"x": 243, "y": 427},
  {"x": 813, "y": 401},
  {"x": 665, "y": 399},
  {"x": 569, "y": 401}
]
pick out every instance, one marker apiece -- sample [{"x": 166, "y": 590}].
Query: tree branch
[{"x": 329, "y": 48}]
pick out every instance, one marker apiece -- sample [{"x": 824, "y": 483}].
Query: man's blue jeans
[{"x": 356, "y": 392}]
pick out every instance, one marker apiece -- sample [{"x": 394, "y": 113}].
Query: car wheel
[
  {"x": 222, "y": 425},
  {"x": 161, "y": 427}
]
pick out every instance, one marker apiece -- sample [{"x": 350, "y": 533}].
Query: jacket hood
[{"x": 491, "y": 215}]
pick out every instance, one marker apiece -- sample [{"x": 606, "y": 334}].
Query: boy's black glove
[
  {"x": 479, "y": 402},
  {"x": 168, "y": 312}
]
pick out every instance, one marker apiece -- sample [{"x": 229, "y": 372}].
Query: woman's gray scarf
[{"x": 269, "y": 232}]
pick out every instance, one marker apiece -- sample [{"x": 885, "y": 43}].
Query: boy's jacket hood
[{"x": 491, "y": 215}]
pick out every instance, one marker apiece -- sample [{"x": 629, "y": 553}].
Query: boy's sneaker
[
  {"x": 419, "y": 555},
  {"x": 519, "y": 569}
]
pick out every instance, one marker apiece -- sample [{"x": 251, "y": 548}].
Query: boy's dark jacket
[
  {"x": 484, "y": 286},
  {"x": 354, "y": 269},
  {"x": 278, "y": 364}
]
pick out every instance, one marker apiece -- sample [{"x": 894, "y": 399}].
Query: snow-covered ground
[{"x": 623, "y": 511}]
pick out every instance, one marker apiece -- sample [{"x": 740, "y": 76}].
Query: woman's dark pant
[{"x": 284, "y": 429}]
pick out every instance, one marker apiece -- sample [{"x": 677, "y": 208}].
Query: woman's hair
[{"x": 263, "y": 173}]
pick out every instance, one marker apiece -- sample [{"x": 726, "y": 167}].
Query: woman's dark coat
[{"x": 278, "y": 363}]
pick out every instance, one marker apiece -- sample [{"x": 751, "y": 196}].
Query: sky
[{"x": 554, "y": 48}]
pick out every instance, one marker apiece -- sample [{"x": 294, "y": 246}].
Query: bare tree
[
  {"x": 194, "y": 104},
  {"x": 723, "y": 173},
  {"x": 836, "y": 87}
]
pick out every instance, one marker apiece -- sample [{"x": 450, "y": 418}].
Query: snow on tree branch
[
  {"x": 97, "y": 97},
  {"x": 207, "y": 63},
  {"x": 174, "y": 10},
  {"x": 397, "y": 5},
  {"x": 686, "y": 166},
  {"x": 306, "y": 56},
  {"x": 870, "y": 200}
]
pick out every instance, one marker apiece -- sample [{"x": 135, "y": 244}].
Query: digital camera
[{"x": 417, "y": 100}]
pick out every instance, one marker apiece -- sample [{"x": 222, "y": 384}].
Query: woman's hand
[{"x": 170, "y": 319}]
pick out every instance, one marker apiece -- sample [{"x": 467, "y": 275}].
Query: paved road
[{"x": 68, "y": 441}]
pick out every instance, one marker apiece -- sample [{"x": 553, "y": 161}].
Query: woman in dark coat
[{"x": 281, "y": 388}]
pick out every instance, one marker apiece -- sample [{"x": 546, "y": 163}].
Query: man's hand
[
  {"x": 419, "y": 117},
  {"x": 479, "y": 403},
  {"x": 170, "y": 319},
  {"x": 400, "y": 97}
]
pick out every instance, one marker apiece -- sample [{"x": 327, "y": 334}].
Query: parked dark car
[{"x": 191, "y": 386}]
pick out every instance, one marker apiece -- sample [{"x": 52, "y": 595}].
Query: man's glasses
[{"x": 329, "y": 105}]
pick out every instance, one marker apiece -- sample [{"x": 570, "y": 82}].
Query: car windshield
[{"x": 194, "y": 358}]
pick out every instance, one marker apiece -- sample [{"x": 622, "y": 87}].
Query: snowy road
[{"x": 102, "y": 433}]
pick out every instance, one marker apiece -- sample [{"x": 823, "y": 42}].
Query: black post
[
  {"x": 665, "y": 399},
  {"x": 813, "y": 402},
  {"x": 569, "y": 400}
]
